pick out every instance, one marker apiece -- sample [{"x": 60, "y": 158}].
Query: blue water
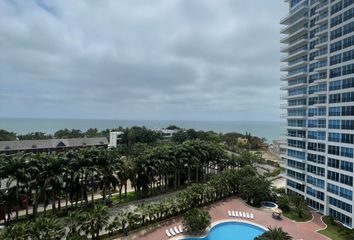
[
  {"x": 232, "y": 231},
  {"x": 269, "y": 130}
]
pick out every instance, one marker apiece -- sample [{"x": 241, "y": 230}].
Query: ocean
[{"x": 269, "y": 130}]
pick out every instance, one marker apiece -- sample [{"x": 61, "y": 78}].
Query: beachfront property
[
  {"x": 319, "y": 81},
  {"x": 49, "y": 145}
]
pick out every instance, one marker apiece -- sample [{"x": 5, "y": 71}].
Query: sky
[{"x": 212, "y": 60}]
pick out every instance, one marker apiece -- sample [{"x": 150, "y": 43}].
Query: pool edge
[{"x": 182, "y": 237}]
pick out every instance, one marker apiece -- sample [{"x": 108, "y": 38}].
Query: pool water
[
  {"x": 232, "y": 231},
  {"x": 269, "y": 204}
]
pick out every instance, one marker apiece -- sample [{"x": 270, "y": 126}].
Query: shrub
[{"x": 196, "y": 221}]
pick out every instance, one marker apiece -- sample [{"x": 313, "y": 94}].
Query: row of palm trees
[
  {"x": 82, "y": 224},
  {"x": 73, "y": 178},
  {"x": 227, "y": 183}
]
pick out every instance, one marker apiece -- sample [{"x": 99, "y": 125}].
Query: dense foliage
[
  {"x": 7, "y": 136},
  {"x": 227, "y": 183},
  {"x": 294, "y": 207},
  {"x": 274, "y": 234},
  {"x": 196, "y": 220}
]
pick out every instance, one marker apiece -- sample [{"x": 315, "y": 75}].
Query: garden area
[
  {"x": 335, "y": 230},
  {"x": 294, "y": 207},
  {"x": 54, "y": 195}
]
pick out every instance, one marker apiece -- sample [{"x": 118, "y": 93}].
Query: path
[{"x": 218, "y": 212}]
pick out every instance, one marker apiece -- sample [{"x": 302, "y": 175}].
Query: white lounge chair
[
  {"x": 168, "y": 233},
  {"x": 248, "y": 215},
  {"x": 236, "y": 213},
  {"x": 252, "y": 216},
  {"x": 244, "y": 215},
  {"x": 176, "y": 230},
  {"x": 229, "y": 212},
  {"x": 180, "y": 228},
  {"x": 172, "y": 232},
  {"x": 233, "y": 213}
]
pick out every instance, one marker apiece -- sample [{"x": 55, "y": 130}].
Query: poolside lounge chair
[
  {"x": 168, "y": 233},
  {"x": 236, "y": 213},
  {"x": 180, "y": 228},
  {"x": 233, "y": 213},
  {"x": 176, "y": 230},
  {"x": 252, "y": 216},
  {"x": 229, "y": 212},
  {"x": 244, "y": 215},
  {"x": 248, "y": 215},
  {"x": 172, "y": 232}
]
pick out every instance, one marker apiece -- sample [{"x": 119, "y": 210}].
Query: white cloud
[{"x": 176, "y": 59}]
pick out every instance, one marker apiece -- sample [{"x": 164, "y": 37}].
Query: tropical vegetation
[
  {"x": 294, "y": 207},
  {"x": 71, "y": 191},
  {"x": 335, "y": 230},
  {"x": 274, "y": 234},
  {"x": 196, "y": 221}
]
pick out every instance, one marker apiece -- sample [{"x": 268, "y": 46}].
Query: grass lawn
[
  {"x": 294, "y": 216},
  {"x": 333, "y": 231}
]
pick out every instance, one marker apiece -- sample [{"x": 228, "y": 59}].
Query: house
[{"x": 49, "y": 145}]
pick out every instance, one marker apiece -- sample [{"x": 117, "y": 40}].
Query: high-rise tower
[{"x": 319, "y": 84}]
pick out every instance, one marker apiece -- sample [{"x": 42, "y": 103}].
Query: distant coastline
[{"x": 268, "y": 129}]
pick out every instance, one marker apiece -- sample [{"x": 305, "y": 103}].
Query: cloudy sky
[{"x": 140, "y": 59}]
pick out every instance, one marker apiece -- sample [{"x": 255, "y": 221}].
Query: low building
[
  {"x": 115, "y": 138},
  {"x": 49, "y": 145},
  {"x": 166, "y": 133},
  {"x": 279, "y": 147}
]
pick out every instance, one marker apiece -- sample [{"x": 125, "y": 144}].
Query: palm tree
[
  {"x": 16, "y": 170},
  {"x": 18, "y": 231},
  {"x": 95, "y": 220},
  {"x": 75, "y": 220},
  {"x": 47, "y": 228},
  {"x": 274, "y": 234}
]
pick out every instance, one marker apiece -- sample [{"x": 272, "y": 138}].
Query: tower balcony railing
[
  {"x": 294, "y": 35},
  {"x": 323, "y": 6},
  {"x": 298, "y": 53},
  {"x": 295, "y": 65},
  {"x": 294, "y": 44},
  {"x": 287, "y": 77},
  {"x": 287, "y": 28},
  {"x": 300, "y": 9}
]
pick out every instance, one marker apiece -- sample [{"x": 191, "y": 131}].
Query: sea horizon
[{"x": 267, "y": 129}]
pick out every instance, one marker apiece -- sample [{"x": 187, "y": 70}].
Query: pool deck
[{"x": 218, "y": 212}]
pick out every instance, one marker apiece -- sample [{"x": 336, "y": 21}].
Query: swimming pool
[{"x": 232, "y": 231}]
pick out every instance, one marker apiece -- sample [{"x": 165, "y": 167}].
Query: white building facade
[{"x": 319, "y": 84}]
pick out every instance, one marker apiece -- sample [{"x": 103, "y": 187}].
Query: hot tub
[{"x": 269, "y": 204}]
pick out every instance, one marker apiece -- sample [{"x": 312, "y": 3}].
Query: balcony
[
  {"x": 293, "y": 76},
  {"x": 286, "y": 29},
  {"x": 294, "y": 45},
  {"x": 294, "y": 35},
  {"x": 299, "y": 10},
  {"x": 295, "y": 65},
  {"x": 321, "y": 44},
  {"x": 287, "y": 86},
  {"x": 296, "y": 54}
]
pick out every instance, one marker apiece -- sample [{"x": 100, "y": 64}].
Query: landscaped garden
[
  {"x": 52, "y": 195},
  {"x": 335, "y": 230},
  {"x": 294, "y": 207}
]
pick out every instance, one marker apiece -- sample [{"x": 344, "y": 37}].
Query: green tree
[
  {"x": 47, "y": 228},
  {"x": 196, "y": 221},
  {"x": 257, "y": 189},
  {"x": 95, "y": 220},
  {"x": 18, "y": 231},
  {"x": 7, "y": 136},
  {"x": 274, "y": 234}
]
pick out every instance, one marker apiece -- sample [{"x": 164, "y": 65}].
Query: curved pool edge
[{"x": 214, "y": 224}]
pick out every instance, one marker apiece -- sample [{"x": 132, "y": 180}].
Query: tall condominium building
[{"x": 319, "y": 83}]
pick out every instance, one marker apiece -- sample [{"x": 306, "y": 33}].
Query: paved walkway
[{"x": 218, "y": 212}]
